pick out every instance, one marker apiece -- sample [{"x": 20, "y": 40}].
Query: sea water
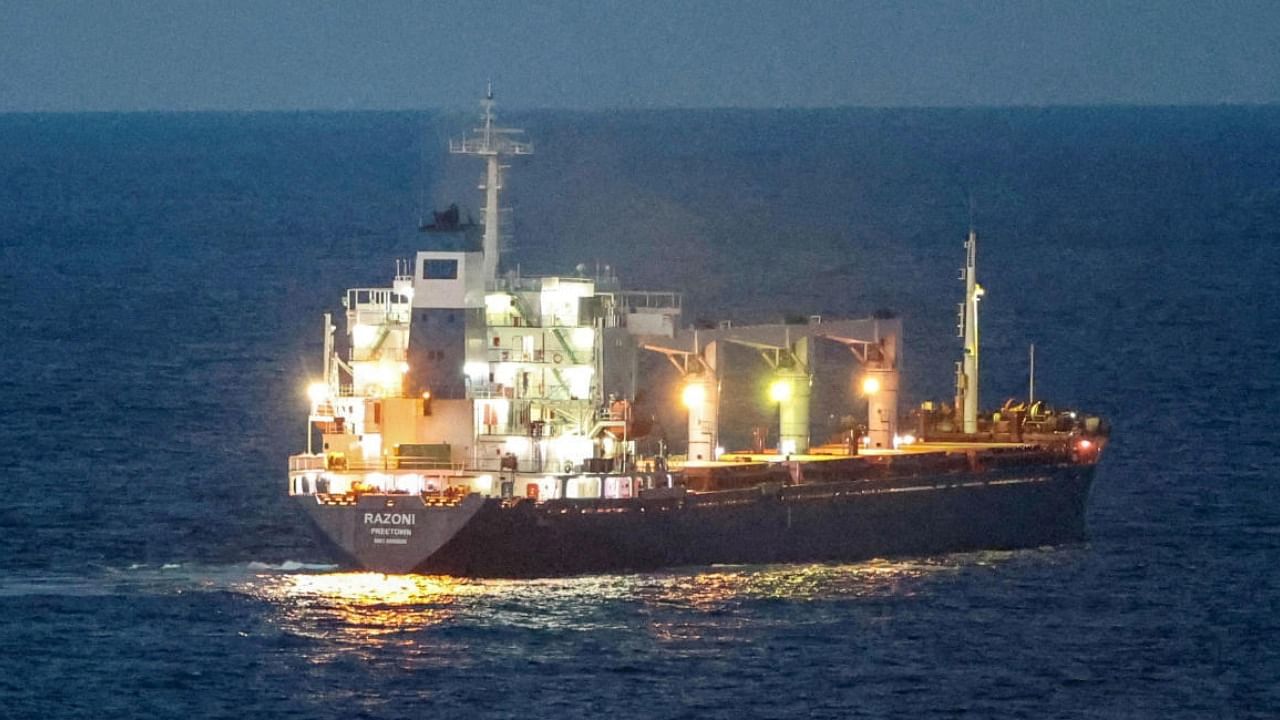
[{"x": 161, "y": 283}]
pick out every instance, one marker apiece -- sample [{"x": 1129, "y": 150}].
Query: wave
[
  {"x": 293, "y": 566},
  {"x": 148, "y": 578}
]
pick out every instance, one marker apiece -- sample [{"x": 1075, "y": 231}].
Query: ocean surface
[{"x": 161, "y": 284}]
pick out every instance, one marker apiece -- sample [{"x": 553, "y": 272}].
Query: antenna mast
[
  {"x": 1031, "y": 380},
  {"x": 491, "y": 143},
  {"x": 967, "y": 368}
]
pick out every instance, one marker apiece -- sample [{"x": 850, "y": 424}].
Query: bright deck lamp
[
  {"x": 780, "y": 391},
  {"x": 694, "y": 395},
  {"x": 870, "y": 385},
  {"x": 318, "y": 392}
]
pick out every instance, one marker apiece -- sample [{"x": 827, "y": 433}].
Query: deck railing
[
  {"x": 304, "y": 462},
  {"x": 391, "y": 463}
]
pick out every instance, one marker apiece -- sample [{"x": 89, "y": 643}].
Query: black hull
[{"x": 848, "y": 520}]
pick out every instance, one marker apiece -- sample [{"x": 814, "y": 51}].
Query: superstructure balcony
[{"x": 377, "y": 306}]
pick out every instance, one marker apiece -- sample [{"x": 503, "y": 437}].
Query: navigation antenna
[{"x": 491, "y": 143}]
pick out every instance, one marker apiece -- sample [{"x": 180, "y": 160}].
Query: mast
[
  {"x": 330, "y": 372},
  {"x": 491, "y": 143},
  {"x": 967, "y": 368},
  {"x": 1031, "y": 379}
]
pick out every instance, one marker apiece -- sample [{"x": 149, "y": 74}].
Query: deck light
[
  {"x": 694, "y": 395},
  {"x": 318, "y": 392},
  {"x": 780, "y": 391},
  {"x": 870, "y": 385}
]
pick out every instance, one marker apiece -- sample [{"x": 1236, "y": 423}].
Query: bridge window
[{"x": 439, "y": 269}]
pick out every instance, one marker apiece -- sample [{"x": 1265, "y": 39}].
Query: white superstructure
[{"x": 455, "y": 376}]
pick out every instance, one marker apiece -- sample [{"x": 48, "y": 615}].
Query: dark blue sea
[{"x": 161, "y": 284}]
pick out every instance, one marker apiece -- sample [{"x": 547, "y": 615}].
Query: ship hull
[{"x": 829, "y": 521}]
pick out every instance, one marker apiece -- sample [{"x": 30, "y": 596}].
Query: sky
[{"x": 608, "y": 54}]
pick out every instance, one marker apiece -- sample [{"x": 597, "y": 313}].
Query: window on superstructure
[{"x": 439, "y": 269}]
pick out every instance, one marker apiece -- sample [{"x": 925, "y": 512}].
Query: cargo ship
[{"x": 472, "y": 421}]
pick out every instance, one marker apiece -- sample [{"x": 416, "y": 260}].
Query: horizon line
[{"x": 649, "y": 109}]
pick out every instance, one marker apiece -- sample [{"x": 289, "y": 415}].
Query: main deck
[{"x": 733, "y": 471}]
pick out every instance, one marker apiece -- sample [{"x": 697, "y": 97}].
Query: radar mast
[{"x": 492, "y": 143}]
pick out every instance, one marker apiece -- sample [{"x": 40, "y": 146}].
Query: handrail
[
  {"x": 303, "y": 462},
  {"x": 392, "y": 463}
]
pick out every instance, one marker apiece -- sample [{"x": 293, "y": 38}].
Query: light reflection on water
[
  {"x": 722, "y": 586},
  {"x": 434, "y": 599},
  {"x": 354, "y": 640},
  {"x": 719, "y": 604},
  {"x": 359, "y": 612},
  {"x": 699, "y": 613}
]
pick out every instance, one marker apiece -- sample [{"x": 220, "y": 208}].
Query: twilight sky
[{"x": 179, "y": 55}]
